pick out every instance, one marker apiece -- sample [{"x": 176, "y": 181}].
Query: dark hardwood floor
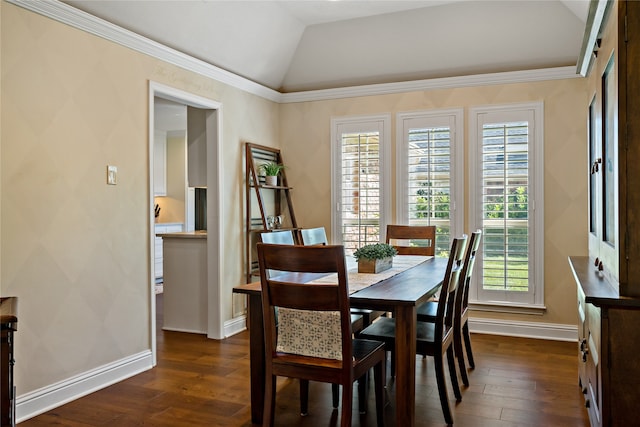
[{"x": 201, "y": 382}]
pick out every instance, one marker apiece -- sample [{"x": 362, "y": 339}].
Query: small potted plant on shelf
[
  {"x": 375, "y": 258},
  {"x": 271, "y": 171}
]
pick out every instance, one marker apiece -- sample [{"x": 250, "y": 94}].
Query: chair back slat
[
  {"x": 422, "y": 235},
  {"x": 282, "y": 237},
  {"x": 314, "y": 236},
  {"x": 304, "y": 297}
]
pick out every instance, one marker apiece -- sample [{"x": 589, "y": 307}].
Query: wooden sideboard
[
  {"x": 609, "y": 344},
  {"x": 8, "y": 324},
  {"x": 608, "y": 279}
]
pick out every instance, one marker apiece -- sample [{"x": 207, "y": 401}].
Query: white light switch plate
[{"x": 112, "y": 175}]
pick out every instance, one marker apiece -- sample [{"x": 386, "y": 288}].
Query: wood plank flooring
[{"x": 201, "y": 382}]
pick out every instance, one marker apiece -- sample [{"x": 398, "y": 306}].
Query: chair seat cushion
[{"x": 384, "y": 329}]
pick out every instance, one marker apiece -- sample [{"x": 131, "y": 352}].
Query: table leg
[
  {"x": 405, "y": 365},
  {"x": 256, "y": 355}
]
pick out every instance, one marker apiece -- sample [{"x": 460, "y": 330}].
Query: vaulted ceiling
[{"x": 305, "y": 45}]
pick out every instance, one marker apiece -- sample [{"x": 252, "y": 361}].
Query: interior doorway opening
[{"x": 209, "y": 134}]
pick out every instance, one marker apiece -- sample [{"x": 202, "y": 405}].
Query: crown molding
[
  {"x": 76, "y": 18},
  {"x": 526, "y": 76}
]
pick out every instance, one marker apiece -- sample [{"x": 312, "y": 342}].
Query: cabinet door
[
  {"x": 160, "y": 163},
  {"x": 583, "y": 341},
  {"x": 593, "y": 373}
]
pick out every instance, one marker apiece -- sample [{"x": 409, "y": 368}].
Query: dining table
[{"x": 399, "y": 294}]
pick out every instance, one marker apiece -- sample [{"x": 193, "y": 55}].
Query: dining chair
[
  {"x": 428, "y": 311},
  {"x": 314, "y": 236},
  {"x": 433, "y": 338},
  {"x": 285, "y": 237},
  {"x": 281, "y": 237},
  {"x": 313, "y": 338},
  {"x": 412, "y": 239}
]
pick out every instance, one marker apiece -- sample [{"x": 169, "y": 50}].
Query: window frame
[
  {"x": 454, "y": 119},
  {"x": 340, "y": 125},
  {"x": 533, "y": 112}
]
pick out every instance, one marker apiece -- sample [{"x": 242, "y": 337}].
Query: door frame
[{"x": 215, "y": 322}]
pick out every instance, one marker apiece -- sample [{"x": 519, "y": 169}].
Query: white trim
[
  {"x": 381, "y": 122},
  {"x": 73, "y": 17},
  {"x": 510, "y": 328},
  {"x": 235, "y": 325},
  {"x": 536, "y": 170},
  {"x": 526, "y": 76},
  {"x": 76, "y": 18},
  {"x": 457, "y": 163},
  {"x": 215, "y": 321},
  {"x": 42, "y": 400}
]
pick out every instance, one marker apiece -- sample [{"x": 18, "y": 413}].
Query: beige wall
[
  {"x": 305, "y": 129},
  {"x": 74, "y": 250}
]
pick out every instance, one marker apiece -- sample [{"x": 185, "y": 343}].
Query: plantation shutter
[
  {"x": 429, "y": 181},
  {"x": 505, "y": 189},
  {"x": 360, "y": 208}
]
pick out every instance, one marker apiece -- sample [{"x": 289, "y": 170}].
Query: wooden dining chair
[
  {"x": 313, "y": 338},
  {"x": 433, "y": 338},
  {"x": 285, "y": 237},
  {"x": 428, "y": 311},
  {"x": 314, "y": 236},
  {"x": 412, "y": 239},
  {"x": 281, "y": 237}
]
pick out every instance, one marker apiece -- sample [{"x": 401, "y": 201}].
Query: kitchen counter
[
  {"x": 185, "y": 285},
  {"x": 198, "y": 234}
]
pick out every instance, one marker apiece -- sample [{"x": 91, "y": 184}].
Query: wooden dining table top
[{"x": 407, "y": 287}]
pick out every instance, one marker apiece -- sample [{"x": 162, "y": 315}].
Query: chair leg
[
  {"x": 442, "y": 387},
  {"x": 304, "y": 397},
  {"x": 269, "y": 403},
  {"x": 335, "y": 395},
  {"x": 451, "y": 361},
  {"x": 363, "y": 388},
  {"x": 347, "y": 404},
  {"x": 379, "y": 380},
  {"x": 467, "y": 342},
  {"x": 459, "y": 352}
]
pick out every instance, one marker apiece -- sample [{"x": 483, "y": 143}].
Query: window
[
  {"x": 430, "y": 188},
  {"x": 361, "y": 147},
  {"x": 506, "y": 186}
]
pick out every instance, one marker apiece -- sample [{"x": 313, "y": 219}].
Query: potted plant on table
[
  {"x": 271, "y": 171},
  {"x": 375, "y": 258}
]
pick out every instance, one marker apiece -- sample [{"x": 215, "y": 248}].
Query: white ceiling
[{"x": 304, "y": 45}]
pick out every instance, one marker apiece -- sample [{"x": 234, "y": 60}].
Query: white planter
[{"x": 271, "y": 180}]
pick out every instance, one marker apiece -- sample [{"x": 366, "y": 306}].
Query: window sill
[{"x": 506, "y": 307}]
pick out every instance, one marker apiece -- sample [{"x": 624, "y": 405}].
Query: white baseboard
[
  {"x": 235, "y": 325},
  {"x": 545, "y": 331},
  {"x": 37, "y": 402}
]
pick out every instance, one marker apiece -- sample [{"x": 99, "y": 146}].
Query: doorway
[{"x": 211, "y": 110}]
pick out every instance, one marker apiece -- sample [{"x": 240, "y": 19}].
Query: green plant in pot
[
  {"x": 271, "y": 170},
  {"x": 375, "y": 258}
]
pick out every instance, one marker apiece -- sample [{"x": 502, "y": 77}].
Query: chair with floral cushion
[{"x": 313, "y": 339}]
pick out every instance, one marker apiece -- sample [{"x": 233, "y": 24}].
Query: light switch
[{"x": 112, "y": 175}]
